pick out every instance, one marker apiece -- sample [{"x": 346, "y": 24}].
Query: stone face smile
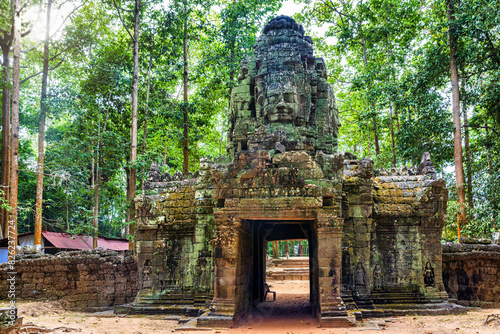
[{"x": 281, "y": 106}]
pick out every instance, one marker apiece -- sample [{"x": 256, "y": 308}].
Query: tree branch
[
  {"x": 492, "y": 46},
  {"x": 482, "y": 127},
  {"x": 121, "y": 20},
  {"x": 67, "y": 16},
  {"x": 56, "y": 55},
  {"x": 146, "y": 3},
  {"x": 38, "y": 73},
  {"x": 120, "y": 8},
  {"x": 26, "y": 33},
  {"x": 33, "y": 47}
]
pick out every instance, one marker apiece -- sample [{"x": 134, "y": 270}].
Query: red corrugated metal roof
[
  {"x": 113, "y": 244},
  {"x": 68, "y": 241}
]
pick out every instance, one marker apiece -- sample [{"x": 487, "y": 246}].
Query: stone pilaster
[{"x": 332, "y": 309}]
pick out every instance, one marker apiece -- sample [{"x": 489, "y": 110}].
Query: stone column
[
  {"x": 224, "y": 305},
  {"x": 332, "y": 309}
]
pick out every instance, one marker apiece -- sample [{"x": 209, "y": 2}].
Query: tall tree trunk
[
  {"x": 67, "y": 207},
  {"x": 276, "y": 249},
  {"x": 92, "y": 168},
  {"x": 5, "y": 177},
  {"x": 488, "y": 154},
  {"x": 457, "y": 131},
  {"x": 393, "y": 145},
  {"x": 166, "y": 147},
  {"x": 95, "y": 218},
  {"x": 391, "y": 119},
  {"x": 6, "y": 44},
  {"x": 97, "y": 182},
  {"x": 185, "y": 149},
  {"x": 468, "y": 160},
  {"x": 92, "y": 175},
  {"x": 147, "y": 107},
  {"x": 375, "y": 133},
  {"x": 375, "y": 128},
  {"x": 41, "y": 134},
  {"x": 14, "y": 142},
  {"x": 146, "y": 114},
  {"x": 133, "y": 130}
]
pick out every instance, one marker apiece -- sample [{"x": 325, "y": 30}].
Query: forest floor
[{"x": 289, "y": 314}]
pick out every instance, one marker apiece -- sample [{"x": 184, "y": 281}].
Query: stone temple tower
[
  {"x": 283, "y": 100},
  {"x": 374, "y": 235}
]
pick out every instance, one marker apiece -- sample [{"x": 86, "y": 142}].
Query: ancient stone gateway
[{"x": 374, "y": 237}]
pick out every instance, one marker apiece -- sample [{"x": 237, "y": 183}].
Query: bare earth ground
[{"x": 289, "y": 314}]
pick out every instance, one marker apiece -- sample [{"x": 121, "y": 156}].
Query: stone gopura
[{"x": 374, "y": 236}]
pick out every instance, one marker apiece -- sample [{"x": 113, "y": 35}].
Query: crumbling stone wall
[
  {"x": 471, "y": 274},
  {"x": 174, "y": 235},
  {"x": 84, "y": 279},
  {"x": 392, "y": 235}
]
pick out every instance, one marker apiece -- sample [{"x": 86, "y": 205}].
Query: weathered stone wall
[
  {"x": 84, "y": 279},
  {"x": 174, "y": 242},
  {"x": 392, "y": 230},
  {"x": 471, "y": 274}
]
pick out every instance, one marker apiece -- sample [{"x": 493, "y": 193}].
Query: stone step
[
  {"x": 295, "y": 269},
  {"x": 289, "y": 263},
  {"x": 288, "y": 277}
]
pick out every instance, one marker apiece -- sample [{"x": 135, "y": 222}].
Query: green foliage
[
  {"x": 292, "y": 246},
  {"x": 388, "y": 61},
  {"x": 89, "y": 101}
]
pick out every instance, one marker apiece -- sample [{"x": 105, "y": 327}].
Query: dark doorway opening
[{"x": 303, "y": 301}]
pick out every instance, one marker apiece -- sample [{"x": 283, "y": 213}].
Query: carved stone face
[{"x": 284, "y": 99}]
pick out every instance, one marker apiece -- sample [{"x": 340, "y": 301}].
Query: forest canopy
[{"x": 107, "y": 87}]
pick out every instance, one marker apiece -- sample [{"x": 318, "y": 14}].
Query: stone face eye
[{"x": 289, "y": 97}]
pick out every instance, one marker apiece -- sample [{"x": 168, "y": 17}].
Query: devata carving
[
  {"x": 429, "y": 275},
  {"x": 377, "y": 277}
]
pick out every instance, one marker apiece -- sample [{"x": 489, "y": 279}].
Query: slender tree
[
  {"x": 133, "y": 129},
  {"x": 468, "y": 158},
  {"x": 185, "y": 147},
  {"x": 41, "y": 133},
  {"x": 6, "y": 45},
  {"x": 457, "y": 129},
  {"x": 5, "y": 174},
  {"x": 132, "y": 170},
  {"x": 14, "y": 143}
]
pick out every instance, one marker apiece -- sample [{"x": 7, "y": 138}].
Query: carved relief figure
[
  {"x": 377, "y": 277},
  {"x": 146, "y": 274},
  {"x": 360, "y": 276},
  {"x": 283, "y": 99},
  {"x": 429, "y": 275}
]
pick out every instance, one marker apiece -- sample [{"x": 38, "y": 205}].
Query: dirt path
[{"x": 289, "y": 314}]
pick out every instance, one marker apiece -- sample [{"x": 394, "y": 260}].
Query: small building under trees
[{"x": 54, "y": 242}]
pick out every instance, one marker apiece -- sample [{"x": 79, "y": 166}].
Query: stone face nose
[{"x": 281, "y": 104}]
